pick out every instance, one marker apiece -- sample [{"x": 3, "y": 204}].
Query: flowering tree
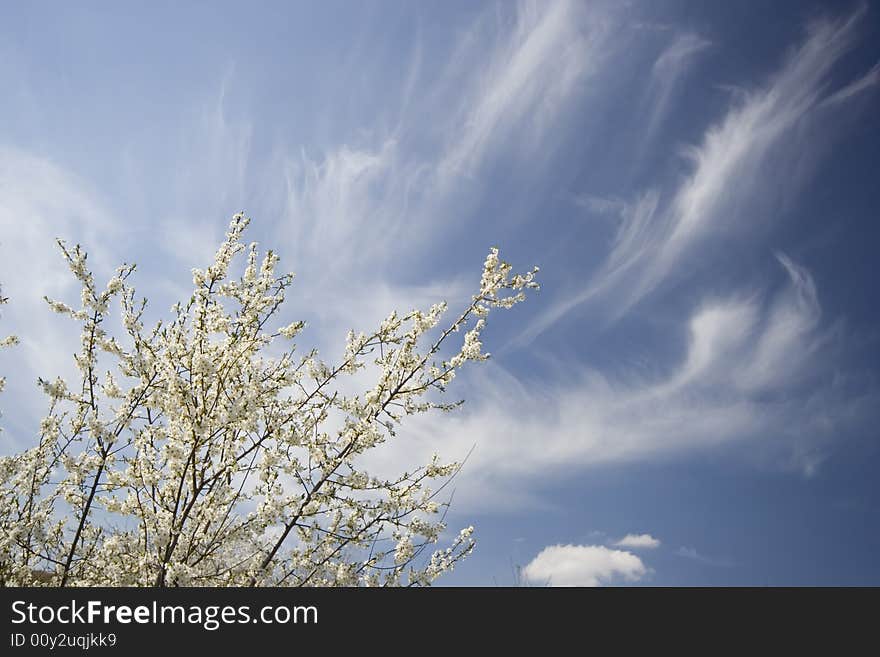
[{"x": 208, "y": 455}]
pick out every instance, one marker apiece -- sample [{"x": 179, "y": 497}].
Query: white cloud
[
  {"x": 338, "y": 207},
  {"x": 355, "y": 217},
  {"x": 680, "y": 50},
  {"x": 730, "y": 182},
  {"x": 634, "y": 239},
  {"x": 39, "y": 202},
  {"x": 735, "y": 149},
  {"x": 865, "y": 83},
  {"x": 693, "y": 555},
  {"x": 666, "y": 76},
  {"x": 583, "y": 565},
  {"x": 756, "y": 371},
  {"x": 638, "y": 541},
  {"x": 225, "y": 156},
  {"x": 789, "y": 338},
  {"x": 532, "y": 72}
]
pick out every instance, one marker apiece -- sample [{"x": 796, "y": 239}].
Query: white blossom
[{"x": 211, "y": 455}]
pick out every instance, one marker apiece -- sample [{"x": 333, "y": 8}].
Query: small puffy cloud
[
  {"x": 638, "y": 541},
  {"x": 583, "y": 565}
]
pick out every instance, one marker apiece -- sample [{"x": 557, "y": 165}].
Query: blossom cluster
[{"x": 208, "y": 455}]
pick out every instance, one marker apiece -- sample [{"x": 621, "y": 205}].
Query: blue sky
[{"x": 696, "y": 180}]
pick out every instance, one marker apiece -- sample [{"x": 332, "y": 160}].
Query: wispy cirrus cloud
[
  {"x": 532, "y": 72},
  {"x": 756, "y": 371},
  {"x": 369, "y": 209},
  {"x": 855, "y": 88},
  {"x": 667, "y": 73},
  {"x": 725, "y": 193}
]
